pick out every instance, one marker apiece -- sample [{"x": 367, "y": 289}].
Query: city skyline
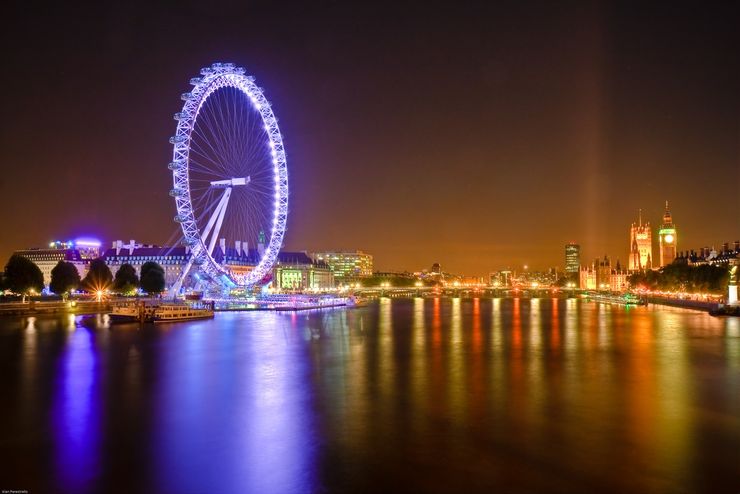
[
  {"x": 492, "y": 159},
  {"x": 585, "y": 254}
]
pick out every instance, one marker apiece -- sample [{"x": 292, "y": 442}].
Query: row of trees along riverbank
[
  {"x": 679, "y": 276},
  {"x": 22, "y": 277}
]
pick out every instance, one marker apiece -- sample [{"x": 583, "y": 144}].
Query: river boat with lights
[
  {"x": 181, "y": 312},
  {"x": 125, "y": 313},
  {"x": 132, "y": 312},
  {"x": 618, "y": 298}
]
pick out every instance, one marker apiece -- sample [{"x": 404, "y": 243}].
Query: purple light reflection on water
[
  {"x": 76, "y": 415},
  {"x": 235, "y": 411}
]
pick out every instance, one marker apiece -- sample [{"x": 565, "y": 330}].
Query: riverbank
[
  {"x": 37, "y": 307},
  {"x": 83, "y": 307},
  {"x": 683, "y": 303}
]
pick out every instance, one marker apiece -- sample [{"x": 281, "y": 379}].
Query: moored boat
[
  {"x": 125, "y": 313},
  {"x": 180, "y": 312},
  {"x": 621, "y": 299},
  {"x": 132, "y": 312}
]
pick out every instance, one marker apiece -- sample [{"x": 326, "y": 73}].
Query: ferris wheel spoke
[
  {"x": 196, "y": 149},
  {"x": 260, "y": 184},
  {"x": 233, "y": 127},
  {"x": 197, "y": 169},
  {"x": 216, "y": 154},
  {"x": 249, "y": 140},
  {"x": 202, "y": 144},
  {"x": 207, "y": 210},
  {"x": 262, "y": 194},
  {"x": 243, "y": 121},
  {"x": 203, "y": 202},
  {"x": 224, "y": 123},
  {"x": 256, "y": 150},
  {"x": 239, "y": 102},
  {"x": 202, "y": 170},
  {"x": 212, "y": 127},
  {"x": 256, "y": 209},
  {"x": 262, "y": 175},
  {"x": 251, "y": 216}
]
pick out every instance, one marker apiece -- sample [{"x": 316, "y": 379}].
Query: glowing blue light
[{"x": 87, "y": 242}]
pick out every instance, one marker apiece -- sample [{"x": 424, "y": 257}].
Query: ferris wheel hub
[{"x": 231, "y": 182}]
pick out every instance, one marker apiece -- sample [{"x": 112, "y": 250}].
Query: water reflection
[
  {"x": 76, "y": 414},
  {"x": 437, "y": 395},
  {"x": 233, "y": 411}
]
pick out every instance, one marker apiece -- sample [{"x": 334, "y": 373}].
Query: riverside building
[
  {"x": 46, "y": 259},
  {"x": 572, "y": 258},
  {"x": 641, "y": 246},
  {"x": 172, "y": 259},
  {"x": 77, "y": 252},
  {"x": 346, "y": 265},
  {"x": 293, "y": 271},
  {"x": 297, "y": 271},
  {"x": 600, "y": 275}
]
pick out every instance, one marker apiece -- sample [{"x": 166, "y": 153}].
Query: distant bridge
[{"x": 463, "y": 291}]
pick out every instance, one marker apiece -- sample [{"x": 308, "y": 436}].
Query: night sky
[{"x": 477, "y": 136}]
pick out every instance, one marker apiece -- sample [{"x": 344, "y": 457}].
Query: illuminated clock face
[{"x": 669, "y": 239}]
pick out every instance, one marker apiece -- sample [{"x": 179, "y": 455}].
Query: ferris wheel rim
[{"x": 213, "y": 78}]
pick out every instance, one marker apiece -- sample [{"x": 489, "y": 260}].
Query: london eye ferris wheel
[{"x": 230, "y": 179}]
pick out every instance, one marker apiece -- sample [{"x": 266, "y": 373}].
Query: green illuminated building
[{"x": 297, "y": 272}]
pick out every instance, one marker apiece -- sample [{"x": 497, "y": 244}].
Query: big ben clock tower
[{"x": 667, "y": 237}]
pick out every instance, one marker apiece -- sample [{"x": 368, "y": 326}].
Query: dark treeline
[
  {"x": 682, "y": 277},
  {"x": 22, "y": 277}
]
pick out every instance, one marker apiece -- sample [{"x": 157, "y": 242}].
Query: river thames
[{"x": 403, "y": 395}]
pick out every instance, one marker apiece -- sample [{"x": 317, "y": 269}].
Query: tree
[
  {"x": 152, "y": 278},
  {"x": 64, "y": 278},
  {"x": 126, "y": 279},
  {"x": 22, "y": 276},
  {"x": 564, "y": 281},
  {"x": 99, "y": 277}
]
